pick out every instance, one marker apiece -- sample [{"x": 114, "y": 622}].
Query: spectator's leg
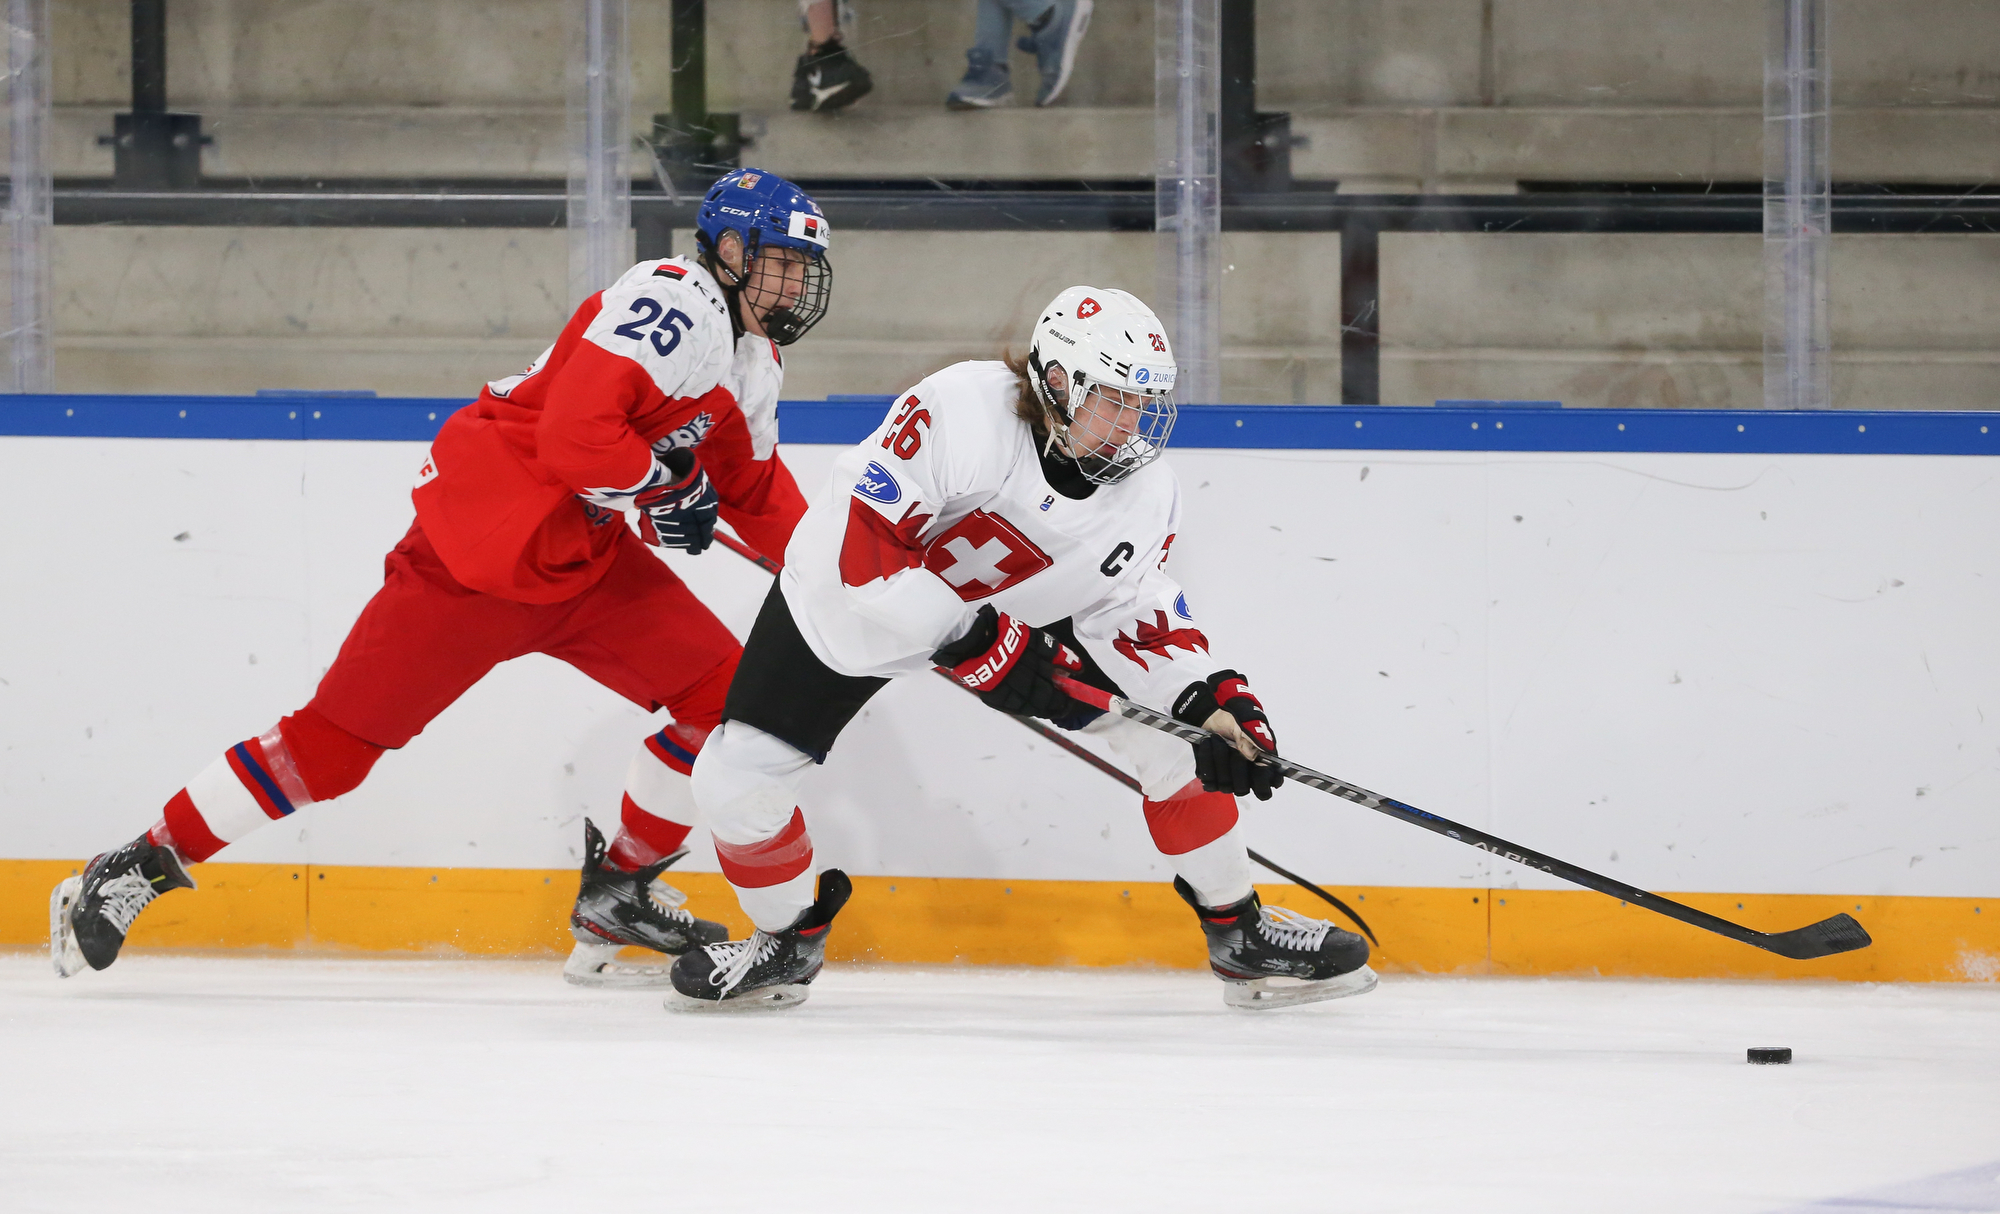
[
  {"x": 827, "y": 77},
  {"x": 822, "y": 24},
  {"x": 987, "y": 81}
]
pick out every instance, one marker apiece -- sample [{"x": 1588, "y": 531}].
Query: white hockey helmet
[{"x": 1103, "y": 373}]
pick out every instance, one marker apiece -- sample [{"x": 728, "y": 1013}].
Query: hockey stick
[
  {"x": 1839, "y": 934},
  {"x": 1099, "y": 762}
]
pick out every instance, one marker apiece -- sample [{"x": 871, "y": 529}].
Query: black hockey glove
[
  {"x": 678, "y": 509},
  {"x": 1226, "y": 760},
  {"x": 1012, "y": 665}
]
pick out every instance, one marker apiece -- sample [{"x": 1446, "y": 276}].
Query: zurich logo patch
[
  {"x": 877, "y": 485},
  {"x": 1141, "y": 376},
  {"x": 1181, "y": 607}
]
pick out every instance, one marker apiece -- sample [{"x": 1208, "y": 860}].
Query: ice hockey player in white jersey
[{"x": 1008, "y": 521}]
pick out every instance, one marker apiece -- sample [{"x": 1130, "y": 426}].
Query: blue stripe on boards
[
  {"x": 270, "y": 786},
  {"x": 844, "y": 420}
]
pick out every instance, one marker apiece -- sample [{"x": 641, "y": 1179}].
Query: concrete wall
[
  {"x": 1606, "y": 320},
  {"x": 1392, "y": 94},
  {"x": 438, "y": 313},
  {"x": 1677, "y": 321}
]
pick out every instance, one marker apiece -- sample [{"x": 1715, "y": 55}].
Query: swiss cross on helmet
[
  {"x": 790, "y": 291},
  {"x": 1103, "y": 372}
]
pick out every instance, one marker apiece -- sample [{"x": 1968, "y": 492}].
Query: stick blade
[{"x": 1840, "y": 934}]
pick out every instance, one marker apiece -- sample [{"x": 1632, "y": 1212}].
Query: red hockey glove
[
  {"x": 677, "y": 505},
  {"x": 1012, "y": 665},
  {"x": 1228, "y": 761}
]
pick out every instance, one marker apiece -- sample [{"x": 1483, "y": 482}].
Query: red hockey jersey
[{"x": 645, "y": 365}]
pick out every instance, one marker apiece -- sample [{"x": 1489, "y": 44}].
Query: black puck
[{"x": 1768, "y": 1054}]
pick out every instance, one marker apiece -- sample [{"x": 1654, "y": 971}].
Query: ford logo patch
[
  {"x": 1141, "y": 375},
  {"x": 1181, "y": 607},
  {"x": 877, "y": 485}
]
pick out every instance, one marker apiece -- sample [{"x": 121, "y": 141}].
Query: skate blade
[
  {"x": 597, "y": 965},
  {"x": 63, "y": 948},
  {"x": 1261, "y": 994},
  {"x": 769, "y": 999}
]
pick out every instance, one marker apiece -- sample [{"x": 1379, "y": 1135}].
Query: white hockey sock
[{"x": 1218, "y": 870}]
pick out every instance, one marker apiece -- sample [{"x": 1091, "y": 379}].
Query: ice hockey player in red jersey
[
  {"x": 659, "y": 399},
  {"x": 1008, "y": 522}
]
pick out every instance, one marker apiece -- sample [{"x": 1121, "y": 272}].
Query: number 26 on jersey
[{"x": 906, "y": 429}]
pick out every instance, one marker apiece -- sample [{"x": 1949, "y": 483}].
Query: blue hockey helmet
[{"x": 766, "y": 211}]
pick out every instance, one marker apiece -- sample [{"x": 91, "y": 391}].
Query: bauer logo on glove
[
  {"x": 1230, "y": 759},
  {"x": 1012, "y": 665}
]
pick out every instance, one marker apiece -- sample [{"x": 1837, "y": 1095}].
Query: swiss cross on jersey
[{"x": 983, "y": 554}]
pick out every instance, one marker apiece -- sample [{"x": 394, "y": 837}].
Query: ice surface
[{"x": 226, "y": 1084}]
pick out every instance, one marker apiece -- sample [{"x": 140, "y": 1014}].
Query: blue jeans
[{"x": 996, "y": 24}]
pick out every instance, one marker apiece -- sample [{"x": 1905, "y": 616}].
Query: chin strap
[
  {"x": 1054, "y": 417},
  {"x": 729, "y": 280}
]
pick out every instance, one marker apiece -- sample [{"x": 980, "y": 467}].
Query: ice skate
[
  {"x": 1270, "y": 957},
  {"x": 767, "y": 972},
  {"x": 618, "y": 909},
  {"x": 89, "y": 915}
]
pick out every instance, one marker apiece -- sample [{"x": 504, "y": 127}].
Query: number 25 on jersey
[
  {"x": 667, "y": 335},
  {"x": 906, "y": 429}
]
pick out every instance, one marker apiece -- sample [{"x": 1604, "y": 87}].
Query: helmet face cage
[
  {"x": 788, "y": 295},
  {"x": 1111, "y": 433}
]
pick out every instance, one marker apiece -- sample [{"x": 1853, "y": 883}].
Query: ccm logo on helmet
[
  {"x": 1088, "y": 308},
  {"x": 990, "y": 670}
]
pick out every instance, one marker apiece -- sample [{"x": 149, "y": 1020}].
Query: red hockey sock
[
  {"x": 658, "y": 807},
  {"x": 1189, "y": 819},
  {"x": 771, "y": 861},
  {"x": 302, "y": 759}
]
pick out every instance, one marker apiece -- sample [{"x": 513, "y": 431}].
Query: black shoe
[
  {"x": 828, "y": 78},
  {"x": 767, "y": 971},
  {"x": 1271, "y": 957},
  {"x": 90, "y": 915},
  {"x": 615, "y": 909}
]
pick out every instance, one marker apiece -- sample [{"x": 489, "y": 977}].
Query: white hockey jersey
[{"x": 944, "y": 509}]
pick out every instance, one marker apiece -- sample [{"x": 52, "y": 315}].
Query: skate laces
[
  {"x": 668, "y": 900},
  {"x": 124, "y": 897},
  {"x": 1290, "y": 929},
  {"x": 734, "y": 959}
]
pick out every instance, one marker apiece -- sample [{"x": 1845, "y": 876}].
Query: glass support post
[
  {"x": 1187, "y": 100},
  {"x": 600, "y": 139},
  {"x": 1798, "y": 198},
  {"x": 30, "y": 198}
]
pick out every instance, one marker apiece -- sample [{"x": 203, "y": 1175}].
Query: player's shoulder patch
[
  {"x": 878, "y": 485},
  {"x": 670, "y": 270}
]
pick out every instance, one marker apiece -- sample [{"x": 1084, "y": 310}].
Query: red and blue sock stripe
[
  {"x": 246, "y": 759},
  {"x": 671, "y": 751}
]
